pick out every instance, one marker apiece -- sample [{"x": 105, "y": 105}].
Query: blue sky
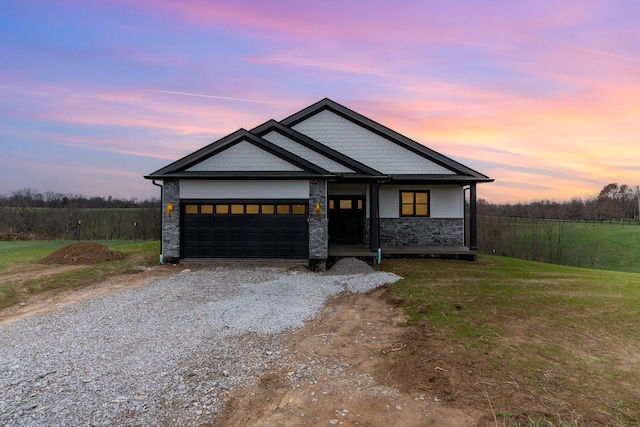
[{"x": 541, "y": 96}]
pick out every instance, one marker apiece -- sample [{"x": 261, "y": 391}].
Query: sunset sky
[{"x": 542, "y": 96}]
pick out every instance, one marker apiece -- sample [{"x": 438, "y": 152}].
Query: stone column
[
  {"x": 318, "y": 225},
  {"x": 170, "y": 247}
]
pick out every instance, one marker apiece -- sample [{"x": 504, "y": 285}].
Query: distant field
[
  {"x": 592, "y": 245},
  {"x": 607, "y": 246}
]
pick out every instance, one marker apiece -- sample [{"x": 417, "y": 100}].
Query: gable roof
[
  {"x": 306, "y": 157},
  {"x": 383, "y": 131},
  {"x": 184, "y": 168},
  {"x": 312, "y": 144}
]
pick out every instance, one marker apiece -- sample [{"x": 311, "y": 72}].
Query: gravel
[
  {"x": 169, "y": 353},
  {"x": 350, "y": 266}
]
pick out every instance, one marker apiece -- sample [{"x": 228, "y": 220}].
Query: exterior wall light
[
  {"x": 318, "y": 209},
  {"x": 170, "y": 207}
]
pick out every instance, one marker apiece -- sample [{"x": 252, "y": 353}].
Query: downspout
[
  {"x": 473, "y": 218},
  {"x": 465, "y": 217},
  {"x": 378, "y": 185},
  {"x": 161, "y": 224}
]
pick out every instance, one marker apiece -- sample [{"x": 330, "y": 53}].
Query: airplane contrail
[{"x": 215, "y": 97}]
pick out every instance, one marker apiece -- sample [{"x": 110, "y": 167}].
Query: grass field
[
  {"x": 592, "y": 245},
  {"x": 560, "y": 339},
  {"x": 604, "y": 246},
  {"x": 21, "y": 275}
]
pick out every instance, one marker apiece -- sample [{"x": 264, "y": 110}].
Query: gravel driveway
[{"x": 168, "y": 353}]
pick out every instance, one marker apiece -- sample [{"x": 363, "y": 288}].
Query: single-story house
[{"x": 326, "y": 181}]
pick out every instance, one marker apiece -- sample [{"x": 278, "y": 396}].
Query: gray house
[{"x": 323, "y": 182}]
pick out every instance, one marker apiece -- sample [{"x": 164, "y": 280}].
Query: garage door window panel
[{"x": 283, "y": 209}]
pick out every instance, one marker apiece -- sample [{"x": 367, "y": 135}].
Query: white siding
[
  {"x": 347, "y": 189},
  {"x": 306, "y": 153},
  {"x": 244, "y": 157},
  {"x": 251, "y": 189},
  {"x": 366, "y": 146},
  {"x": 445, "y": 201}
]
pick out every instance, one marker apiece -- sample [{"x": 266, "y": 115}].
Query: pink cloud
[
  {"x": 169, "y": 126},
  {"x": 373, "y": 21},
  {"x": 352, "y": 64}
]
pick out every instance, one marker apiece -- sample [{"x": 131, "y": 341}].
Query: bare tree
[{"x": 616, "y": 200}]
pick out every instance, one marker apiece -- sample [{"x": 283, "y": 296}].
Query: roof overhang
[
  {"x": 239, "y": 175},
  {"x": 438, "y": 179}
]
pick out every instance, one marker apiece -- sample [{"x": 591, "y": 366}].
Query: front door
[{"x": 346, "y": 219}]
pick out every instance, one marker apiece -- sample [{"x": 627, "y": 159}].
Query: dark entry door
[{"x": 346, "y": 219}]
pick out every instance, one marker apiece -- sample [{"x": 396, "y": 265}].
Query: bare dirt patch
[
  {"x": 47, "y": 302},
  {"x": 356, "y": 364},
  {"x": 83, "y": 253},
  {"x": 19, "y": 273}
]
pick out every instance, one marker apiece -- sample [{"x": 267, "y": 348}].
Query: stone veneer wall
[
  {"x": 406, "y": 231},
  {"x": 318, "y": 225},
  {"x": 171, "y": 221}
]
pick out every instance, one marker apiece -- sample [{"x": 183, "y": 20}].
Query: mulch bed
[{"x": 83, "y": 253}]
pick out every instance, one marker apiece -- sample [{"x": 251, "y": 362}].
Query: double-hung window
[{"x": 414, "y": 203}]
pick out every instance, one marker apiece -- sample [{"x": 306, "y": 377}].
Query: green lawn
[{"x": 568, "y": 337}]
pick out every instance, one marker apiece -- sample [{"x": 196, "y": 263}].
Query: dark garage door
[{"x": 245, "y": 230}]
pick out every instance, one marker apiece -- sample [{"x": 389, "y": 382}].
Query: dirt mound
[
  {"x": 83, "y": 253},
  {"x": 347, "y": 266}
]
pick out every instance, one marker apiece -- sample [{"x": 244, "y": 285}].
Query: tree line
[
  {"x": 29, "y": 214},
  {"x": 613, "y": 203},
  {"x": 30, "y": 198}
]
